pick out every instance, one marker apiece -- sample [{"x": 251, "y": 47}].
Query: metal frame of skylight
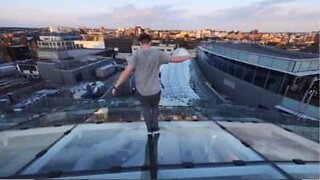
[{"x": 183, "y": 165}]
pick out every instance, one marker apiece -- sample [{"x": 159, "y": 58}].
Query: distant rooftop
[
  {"x": 76, "y": 63},
  {"x": 75, "y": 53},
  {"x": 28, "y": 62},
  {"x": 78, "y": 53},
  {"x": 60, "y": 36}
]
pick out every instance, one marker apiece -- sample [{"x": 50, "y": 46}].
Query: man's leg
[
  {"x": 146, "y": 112},
  {"x": 154, "y": 118},
  {"x": 155, "y": 111},
  {"x": 147, "y": 117}
]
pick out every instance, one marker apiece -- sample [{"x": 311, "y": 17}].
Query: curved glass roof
[{"x": 176, "y": 85}]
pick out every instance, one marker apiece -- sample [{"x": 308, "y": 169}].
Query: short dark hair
[{"x": 144, "y": 38}]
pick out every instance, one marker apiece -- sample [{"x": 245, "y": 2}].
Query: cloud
[
  {"x": 272, "y": 2},
  {"x": 265, "y": 15},
  {"x": 160, "y": 17}
]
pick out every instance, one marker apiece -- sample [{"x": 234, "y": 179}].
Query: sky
[{"x": 243, "y": 15}]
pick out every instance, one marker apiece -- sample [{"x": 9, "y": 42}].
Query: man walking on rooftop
[{"x": 145, "y": 63}]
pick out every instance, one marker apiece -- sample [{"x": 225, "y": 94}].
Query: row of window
[
  {"x": 271, "y": 80},
  {"x": 56, "y": 45}
]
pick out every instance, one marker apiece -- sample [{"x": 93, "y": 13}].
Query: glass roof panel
[
  {"x": 95, "y": 147},
  {"x": 302, "y": 171},
  {"x": 199, "y": 142},
  {"x": 101, "y": 146},
  {"x": 232, "y": 172},
  {"x": 274, "y": 142},
  {"x": 123, "y": 175},
  {"x": 19, "y": 147}
]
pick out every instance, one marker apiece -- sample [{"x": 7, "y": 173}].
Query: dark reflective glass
[
  {"x": 260, "y": 77},
  {"x": 274, "y": 81},
  {"x": 239, "y": 71},
  {"x": 248, "y": 73}
]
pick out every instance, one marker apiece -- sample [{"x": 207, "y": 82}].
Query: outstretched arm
[
  {"x": 123, "y": 77},
  {"x": 179, "y": 59}
]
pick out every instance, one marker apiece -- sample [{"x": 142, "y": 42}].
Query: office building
[
  {"x": 167, "y": 48},
  {"x": 264, "y": 77}
]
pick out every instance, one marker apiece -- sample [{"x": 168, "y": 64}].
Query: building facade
[
  {"x": 52, "y": 46},
  {"x": 56, "y": 44},
  {"x": 261, "y": 77},
  {"x": 167, "y": 48},
  {"x": 89, "y": 44}
]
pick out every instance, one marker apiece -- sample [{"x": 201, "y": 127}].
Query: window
[
  {"x": 231, "y": 68},
  {"x": 239, "y": 70},
  {"x": 248, "y": 73},
  {"x": 45, "y": 43},
  {"x": 225, "y": 66},
  {"x": 298, "y": 89},
  {"x": 315, "y": 94},
  {"x": 274, "y": 81},
  {"x": 219, "y": 62},
  {"x": 79, "y": 77},
  {"x": 260, "y": 77},
  {"x": 215, "y": 61}
]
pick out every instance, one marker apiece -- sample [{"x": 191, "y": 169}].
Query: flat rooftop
[
  {"x": 75, "y": 53},
  {"x": 266, "y": 50},
  {"x": 10, "y": 84},
  {"x": 77, "y": 63},
  {"x": 184, "y": 149}
]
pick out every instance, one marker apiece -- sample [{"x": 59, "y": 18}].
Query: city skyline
[{"x": 265, "y": 15}]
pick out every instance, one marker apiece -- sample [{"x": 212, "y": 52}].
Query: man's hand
[
  {"x": 179, "y": 59},
  {"x": 114, "y": 91},
  {"x": 123, "y": 77}
]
